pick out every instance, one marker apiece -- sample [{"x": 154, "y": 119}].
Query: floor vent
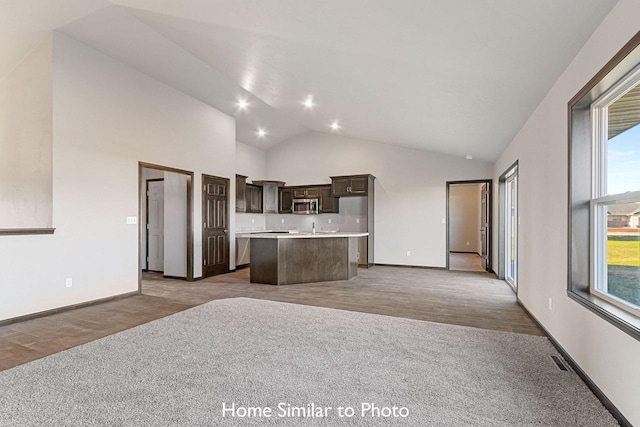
[{"x": 559, "y": 362}]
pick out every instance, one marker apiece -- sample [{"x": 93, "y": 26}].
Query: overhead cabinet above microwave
[{"x": 351, "y": 185}]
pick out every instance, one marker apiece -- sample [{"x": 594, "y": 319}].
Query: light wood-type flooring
[
  {"x": 465, "y": 262},
  {"x": 461, "y": 298}
]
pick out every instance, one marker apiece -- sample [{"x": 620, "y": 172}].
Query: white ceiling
[{"x": 457, "y": 77}]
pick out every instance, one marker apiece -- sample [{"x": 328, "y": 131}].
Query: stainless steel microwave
[{"x": 305, "y": 206}]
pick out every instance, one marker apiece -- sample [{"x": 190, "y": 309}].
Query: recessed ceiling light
[
  {"x": 308, "y": 102},
  {"x": 261, "y": 132},
  {"x": 335, "y": 126},
  {"x": 243, "y": 104},
  {"x": 469, "y": 157}
]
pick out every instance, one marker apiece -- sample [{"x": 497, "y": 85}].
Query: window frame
[
  {"x": 582, "y": 182},
  {"x": 600, "y": 198}
]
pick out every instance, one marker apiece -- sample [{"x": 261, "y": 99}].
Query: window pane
[
  {"x": 623, "y": 251},
  {"x": 623, "y": 147}
]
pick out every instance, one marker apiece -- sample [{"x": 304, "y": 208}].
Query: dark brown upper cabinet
[
  {"x": 241, "y": 189},
  {"x": 328, "y": 203},
  {"x": 253, "y": 198},
  {"x": 286, "y": 201},
  {"x": 351, "y": 185},
  {"x": 306, "y": 192}
]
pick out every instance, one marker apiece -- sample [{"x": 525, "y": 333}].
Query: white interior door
[{"x": 155, "y": 225}]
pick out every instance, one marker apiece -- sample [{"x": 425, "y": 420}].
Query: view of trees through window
[{"x": 623, "y": 219}]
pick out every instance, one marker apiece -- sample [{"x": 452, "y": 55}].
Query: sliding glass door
[{"x": 511, "y": 228}]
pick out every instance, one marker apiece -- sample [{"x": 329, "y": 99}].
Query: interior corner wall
[
  {"x": 26, "y": 141},
  {"x": 607, "y": 355},
  {"x": 464, "y": 217},
  {"x": 410, "y": 188},
  {"x": 107, "y": 117},
  {"x": 251, "y": 161}
]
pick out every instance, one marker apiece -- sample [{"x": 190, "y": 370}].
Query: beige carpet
[{"x": 238, "y": 353}]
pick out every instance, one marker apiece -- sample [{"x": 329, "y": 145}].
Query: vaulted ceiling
[{"x": 456, "y": 77}]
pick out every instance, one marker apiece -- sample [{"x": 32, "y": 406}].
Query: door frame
[
  {"x": 489, "y": 183},
  {"x": 147, "y": 217},
  {"x": 502, "y": 262},
  {"x": 228, "y": 181},
  {"x": 189, "y": 216}
]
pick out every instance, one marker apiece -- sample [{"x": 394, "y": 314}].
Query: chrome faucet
[{"x": 313, "y": 228}]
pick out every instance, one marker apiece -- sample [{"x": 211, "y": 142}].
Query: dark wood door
[
  {"x": 286, "y": 200},
  {"x": 215, "y": 227}
]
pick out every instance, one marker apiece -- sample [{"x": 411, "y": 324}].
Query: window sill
[
  {"x": 25, "y": 231},
  {"x": 616, "y": 316}
]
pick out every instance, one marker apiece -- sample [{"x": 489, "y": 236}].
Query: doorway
[
  {"x": 469, "y": 225},
  {"x": 165, "y": 245},
  {"x": 215, "y": 225},
  {"x": 509, "y": 221}
]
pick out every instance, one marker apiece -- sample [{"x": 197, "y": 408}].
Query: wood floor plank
[{"x": 467, "y": 299}]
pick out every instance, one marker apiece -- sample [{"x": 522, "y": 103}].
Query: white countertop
[{"x": 302, "y": 235}]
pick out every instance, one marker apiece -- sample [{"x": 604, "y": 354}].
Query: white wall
[
  {"x": 609, "y": 356},
  {"x": 251, "y": 161},
  {"x": 25, "y": 141},
  {"x": 106, "y": 118},
  {"x": 464, "y": 218},
  {"x": 410, "y": 189}
]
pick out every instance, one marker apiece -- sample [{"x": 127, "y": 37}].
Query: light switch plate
[{"x": 132, "y": 220}]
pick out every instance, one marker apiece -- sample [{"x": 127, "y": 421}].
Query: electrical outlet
[
  {"x": 329, "y": 220},
  {"x": 132, "y": 220},
  {"x": 281, "y": 220},
  {"x": 550, "y": 304},
  {"x": 253, "y": 220},
  {"x": 408, "y": 253},
  {"x": 444, "y": 221},
  {"x": 467, "y": 243},
  {"x": 69, "y": 282},
  {"x": 357, "y": 220}
]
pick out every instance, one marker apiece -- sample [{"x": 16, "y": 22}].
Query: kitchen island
[{"x": 284, "y": 259}]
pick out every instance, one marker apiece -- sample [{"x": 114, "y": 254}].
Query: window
[
  {"x": 604, "y": 192},
  {"x": 615, "y": 235}
]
